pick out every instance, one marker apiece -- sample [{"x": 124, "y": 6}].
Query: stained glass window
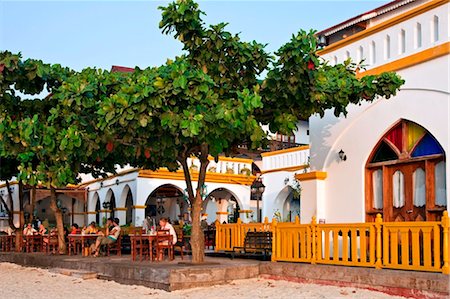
[
  {"x": 384, "y": 153},
  {"x": 427, "y": 146}
]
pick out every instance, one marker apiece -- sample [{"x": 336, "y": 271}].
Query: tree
[
  {"x": 206, "y": 102},
  {"x": 26, "y": 141}
]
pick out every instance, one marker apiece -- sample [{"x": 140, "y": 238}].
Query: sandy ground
[{"x": 34, "y": 283}]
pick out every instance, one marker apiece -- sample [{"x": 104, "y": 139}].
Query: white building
[{"x": 387, "y": 156}]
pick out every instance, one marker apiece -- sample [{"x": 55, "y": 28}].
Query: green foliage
[
  {"x": 301, "y": 84},
  {"x": 207, "y": 102}
]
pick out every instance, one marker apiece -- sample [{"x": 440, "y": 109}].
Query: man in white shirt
[{"x": 165, "y": 225}]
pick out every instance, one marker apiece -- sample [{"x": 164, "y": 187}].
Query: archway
[
  {"x": 111, "y": 199},
  {"x": 224, "y": 202},
  {"x": 291, "y": 206},
  {"x": 405, "y": 175},
  {"x": 97, "y": 208},
  {"x": 167, "y": 201},
  {"x": 129, "y": 207},
  {"x": 287, "y": 204}
]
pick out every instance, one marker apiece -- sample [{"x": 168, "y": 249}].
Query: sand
[{"x": 35, "y": 283}]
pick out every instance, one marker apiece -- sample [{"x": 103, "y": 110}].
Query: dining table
[
  {"x": 7, "y": 242},
  {"x": 150, "y": 237},
  {"x": 33, "y": 243},
  {"x": 84, "y": 240}
]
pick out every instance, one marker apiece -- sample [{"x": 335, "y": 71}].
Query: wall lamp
[{"x": 342, "y": 155}]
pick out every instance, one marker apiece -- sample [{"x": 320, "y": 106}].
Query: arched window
[
  {"x": 347, "y": 55},
  {"x": 373, "y": 53},
  {"x": 387, "y": 47},
  {"x": 406, "y": 175},
  {"x": 418, "y": 35},
  {"x": 435, "y": 29},
  {"x": 360, "y": 54},
  {"x": 402, "y": 42},
  {"x": 419, "y": 198}
]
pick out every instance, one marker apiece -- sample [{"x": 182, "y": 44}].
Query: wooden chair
[
  {"x": 75, "y": 245},
  {"x": 140, "y": 244},
  {"x": 116, "y": 246},
  {"x": 180, "y": 242},
  {"x": 164, "y": 241},
  {"x": 51, "y": 244},
  {"x": 34, "y": 243}
]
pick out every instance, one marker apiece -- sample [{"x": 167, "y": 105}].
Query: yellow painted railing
[{"x": 419, "y": 246}]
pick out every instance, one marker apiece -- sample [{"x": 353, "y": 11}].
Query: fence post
[
  {"x": 239, "y": 233},
  {"x": 314, "y": 239},
  {"x": 218, "y": 234},
  {"x": 265, "y": 227},
  {"x": 378, "y": 225},
  {"x": 297, "y": 220},
  {"x": 274, "y": 240},
  {"x": 445, "y": 248}
]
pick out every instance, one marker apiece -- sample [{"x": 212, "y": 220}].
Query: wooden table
[
  {"x": 33, "y": 243},
  {"x": 148, "y": 237},
  {"x": 7, "y": 242},
  {"x": 75, "y": 239}
]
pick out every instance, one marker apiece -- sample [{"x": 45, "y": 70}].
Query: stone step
[{"x": 75, "y": 273}]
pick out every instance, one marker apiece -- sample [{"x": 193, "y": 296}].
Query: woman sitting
[
  {"x": 75, "y": 230},
  {"x": 91, "y": 229},
  {"x": 113, "y": 235}
]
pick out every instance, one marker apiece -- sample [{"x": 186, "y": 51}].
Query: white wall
[
  {"x": 357, "y": 136},
  {"x": 425, "y": 19}
]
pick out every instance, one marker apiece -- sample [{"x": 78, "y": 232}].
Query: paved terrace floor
[{"x": 178, "y": 274}]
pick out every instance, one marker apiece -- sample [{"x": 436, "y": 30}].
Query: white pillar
[
  {"x": 121, "y": 213},
  {"x": 139, "y": 215},
  {"x": 222, "y": 216}
]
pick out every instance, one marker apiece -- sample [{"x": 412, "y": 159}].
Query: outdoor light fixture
[
  {"x": 101, "y": 184},
  {"x": 322, "y": 41},
  {"x": 286, "y": 180},
  {"x": 342, "y": 155},
  {"x": 161, "y": 200},
  {"x": 117, "y": 182},
  {"x": 257, "y": 189},
  {"x": 106, "y": 205}
]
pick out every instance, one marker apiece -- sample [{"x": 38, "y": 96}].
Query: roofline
[
  {"x": 364, "y": 16},
  {"x": 381, "y": 26}
]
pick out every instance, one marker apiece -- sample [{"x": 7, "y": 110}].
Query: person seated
[
  {"x": 75, "y": 230},
  {"x": 165, "y": 225},
  {"x": 112, "y": 233},
  {"x": 204, "y": 223},
  {"x": 29, "y": 230},
  {"x": 91, "y": 229},
  {"x": 42, "y": 230}
]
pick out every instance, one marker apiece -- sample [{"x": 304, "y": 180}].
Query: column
[
  {"x": 222, "y": 216},
  {"x": 91, "y": 215},
  {"x": 245, "y": 215},
  {"x": 121, "y": 213},
  {"x": 139, "y": 215}
]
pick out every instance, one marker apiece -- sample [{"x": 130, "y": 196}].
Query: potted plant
[
  {"x": 230, "y": 170},
  {"x": 246, "y": 171}
]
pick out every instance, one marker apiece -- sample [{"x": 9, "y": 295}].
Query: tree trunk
[
  {"x": 9, "y": 208},
  {"x": 19, "y": 231},
  {"x": 59, "y": 220},
  {"x": 197, "y": 236},
  {"x": 32, "y": 203}
]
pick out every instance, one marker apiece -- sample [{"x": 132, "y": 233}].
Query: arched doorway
[
  {"x": 97, "y": 208},
  {"x": 405, "y": 176},
  {"x": 167, "y": 201},
  {"x": 223, "y": 201},
  {"x": 111, "y": 199},
  {"x": 129, "y": 207},
  {"x": 291, "y": 206}
]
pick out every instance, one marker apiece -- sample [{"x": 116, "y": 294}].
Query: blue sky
[{"x": 79, "y": 34}]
